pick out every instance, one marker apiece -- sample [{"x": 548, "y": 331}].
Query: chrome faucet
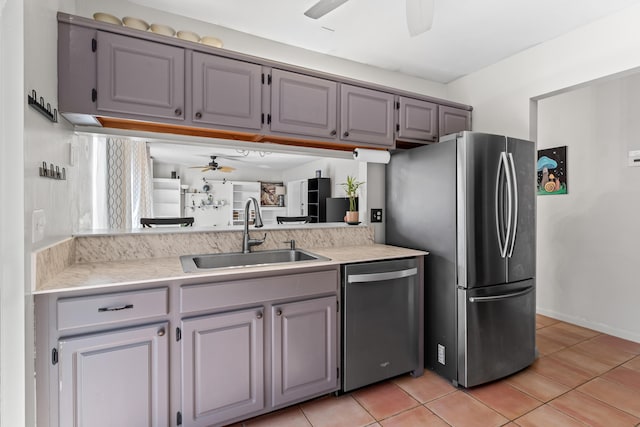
[{"x": 246, "y": 241}]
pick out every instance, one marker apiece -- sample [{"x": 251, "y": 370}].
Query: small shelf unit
[
  {"x": 166, "y": 198},
  {"x": 318, "y": 190}
]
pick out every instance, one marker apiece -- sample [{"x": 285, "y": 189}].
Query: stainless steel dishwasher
[{"x": 381, "y": 321}]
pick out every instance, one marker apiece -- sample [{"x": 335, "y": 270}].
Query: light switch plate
[{"x": 38, "y": 224}]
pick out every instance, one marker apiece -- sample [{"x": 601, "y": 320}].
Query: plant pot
[{"x": 351, "y": 217}]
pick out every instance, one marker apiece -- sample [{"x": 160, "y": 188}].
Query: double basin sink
[{"x": 195, "y": 263}]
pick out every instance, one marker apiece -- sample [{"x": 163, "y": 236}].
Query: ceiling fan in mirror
[
  {"x": 419, "y": 13},
  {"x": 214, "y": 166}
]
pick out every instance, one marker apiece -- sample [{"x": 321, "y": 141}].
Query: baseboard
[{"x": 600, "y": 327}]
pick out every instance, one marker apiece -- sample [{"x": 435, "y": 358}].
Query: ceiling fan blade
[
  {"x": 226, "y": 169},
  {"x": 206, "y": 168},
  {"x": 323, "y": 7},
  {"x": 419, "y": 16},
  {"x": 197, "y": 167}
]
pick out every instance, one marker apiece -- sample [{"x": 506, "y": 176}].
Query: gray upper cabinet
[
  {"x": 226, "y": 92},
  {"x": 304, "y": 349},
  {"x": 366, "y": 116},
  {"x": 452, "y": 120},
  {"x": 139, "y": 77},
  {"x": 303, "y": 105},
  {"x": 417, "y": 119},
  {"x": 116, "y": 378},
  {"x": 222, "y": 363}
]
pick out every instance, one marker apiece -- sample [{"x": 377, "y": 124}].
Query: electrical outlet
[
  {"x": 376, "y": 215},
  {"x": 38, "y": 223}
]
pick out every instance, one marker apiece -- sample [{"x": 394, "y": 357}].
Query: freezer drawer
[{"x": 499, "y": 336}]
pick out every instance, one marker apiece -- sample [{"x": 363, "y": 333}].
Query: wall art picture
[
  {"x": 552, "y": 171},
  {"x": 268, "y": 196}
]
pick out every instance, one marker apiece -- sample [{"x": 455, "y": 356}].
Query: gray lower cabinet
[
  {"x": 118, "y": 378},
  {"x": 417, "y": 119},
  {"x": 303, "y": 105},
  {"x": 226, "y": 92},
  {"x": 366, "y": 116},
  {"x": 222, "y": 367},
  {"x": 139, "y": 77},
  {"x": 304, "y": 349},
  {"x": 452, "y": 120},
  {"x": 190, "y": 354}
]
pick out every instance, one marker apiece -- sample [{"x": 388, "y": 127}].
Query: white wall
[
  {"x": 590, "y": 236},
  {"x": 501, "y": 96},
  {"x": 12, "y": 303}
]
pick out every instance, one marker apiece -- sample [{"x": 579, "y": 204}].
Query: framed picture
[
  {"x": 552, "y": 171},
  {"x": 269, "y": 192}
]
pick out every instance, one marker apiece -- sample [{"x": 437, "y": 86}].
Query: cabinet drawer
[{"x": 104, "y": 309}]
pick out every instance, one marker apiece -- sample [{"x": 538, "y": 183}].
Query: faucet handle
[{"x": 292, "y": 244}]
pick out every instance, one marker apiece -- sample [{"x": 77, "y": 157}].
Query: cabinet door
[
  {"x": 366, "y": 116},
  {"x": 452, "y": 120},
  {"x": 140, "y": 77},
  {"x": 222, "y": 367},
  {"x": 115, "y": 378},
  {"x": 303, "y": 105},
  {"x": 226, "y": 92},
  {"x": 304, "y": 349},
  {"x": 417, "y": 119}
]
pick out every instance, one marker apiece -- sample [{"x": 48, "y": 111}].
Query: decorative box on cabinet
[
  {"x": 318, "y": 189},
  {"x": 452, "y": 120},
  {"x": 366, "y": 116}
]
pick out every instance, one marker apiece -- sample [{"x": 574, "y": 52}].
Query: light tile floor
[{"x": 582, "y": 378}]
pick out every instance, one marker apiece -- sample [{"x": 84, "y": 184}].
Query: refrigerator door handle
[
  {"x": 503, "y": 236},
  {"x": 377, "y": 277},
  {"x": 501, "y": 297},
  {"x": 514, "y": 189}
]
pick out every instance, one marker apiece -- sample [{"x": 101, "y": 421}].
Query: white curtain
[{"x": 129, "y": 183}]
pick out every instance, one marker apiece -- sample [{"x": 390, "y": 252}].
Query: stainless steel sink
[{"x": 193, "y": 263}]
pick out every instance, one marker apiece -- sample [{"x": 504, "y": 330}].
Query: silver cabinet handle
[
  {"x": 501, "y": 297},
  {"x": 161, "y": 332},
  {"x": 278, "y": 312},
  {"x": 377, "y": 277},
  {"x": 121, "y": 307},
  {"x": 259, "y": 315}
]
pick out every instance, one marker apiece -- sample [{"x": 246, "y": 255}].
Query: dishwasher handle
[{"x": 378, "y": 277}]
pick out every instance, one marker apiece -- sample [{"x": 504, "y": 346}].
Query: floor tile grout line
[{"x": 608, "y": 404}]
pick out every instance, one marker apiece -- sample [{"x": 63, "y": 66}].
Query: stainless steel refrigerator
[{"x": 470, "y": 201}]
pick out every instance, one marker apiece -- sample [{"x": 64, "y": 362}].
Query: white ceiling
[{"x": 466, "y": 35}]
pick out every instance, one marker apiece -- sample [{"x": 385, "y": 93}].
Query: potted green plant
[{"x": 351, "y": 188}]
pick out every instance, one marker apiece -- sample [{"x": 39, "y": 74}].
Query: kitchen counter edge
[{"x": 111, "y": 274}]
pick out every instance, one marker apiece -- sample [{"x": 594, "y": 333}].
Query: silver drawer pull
[
  {"x": 500, "y": 297},
  {"x": 121, "y": 307},
  {"x": 377, "y": 277}
]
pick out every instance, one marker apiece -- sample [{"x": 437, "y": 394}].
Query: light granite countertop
[{"x": 92, "y": 275}]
